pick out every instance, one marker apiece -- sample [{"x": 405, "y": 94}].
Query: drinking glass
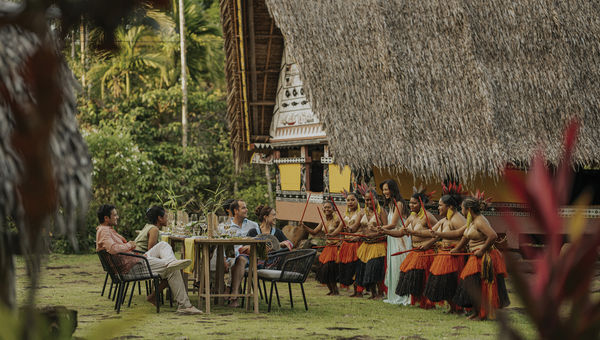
[{"x": 203, "y": 224}]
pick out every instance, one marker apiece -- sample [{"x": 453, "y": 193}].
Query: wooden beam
[
  {"x": 262, "y": 103},
  {"x": 267, "y": 36},
  {"x": 260, "y": 72},
  {"x": 252, "y": 52},
  {"x": 264, "y": 93}
]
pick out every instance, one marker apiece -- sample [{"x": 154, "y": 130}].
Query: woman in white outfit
[{"x": 392, "y": 196}]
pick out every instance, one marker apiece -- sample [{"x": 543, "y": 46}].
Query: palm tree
[
  {"x": 204, "y": 43},
  {"x": 137, "y": 53}
]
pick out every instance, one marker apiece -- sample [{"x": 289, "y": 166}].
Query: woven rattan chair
[
  {"x": 273, "y": 262},
  {"x": 293, "y": 267},
  {"x": 139, "y": 272}
]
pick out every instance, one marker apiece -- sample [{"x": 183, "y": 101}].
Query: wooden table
[{"x": 202, "y": 272}]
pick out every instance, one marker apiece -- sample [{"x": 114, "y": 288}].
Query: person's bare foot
[
  {"x": 234, "y": 303},
  {"x": 473, "y": 316}
]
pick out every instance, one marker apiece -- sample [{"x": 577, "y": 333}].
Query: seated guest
[
  {"x": 160, "y": 257},
  {"x": 267, "y": 217},
  {"x": 227, "y": 208},
  {"x": 148, "y": 237},
  {"x": 241, "y": 225}
]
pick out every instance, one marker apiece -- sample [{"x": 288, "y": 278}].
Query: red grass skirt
[
  {"x": 348, "y": 262},
  {"x": 443, "y": 276},
  {"x": 413, "y": 277},
  {"x": 484, "y": 294}
]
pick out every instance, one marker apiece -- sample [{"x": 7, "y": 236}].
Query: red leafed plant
[{"x": 557, "y": 297}]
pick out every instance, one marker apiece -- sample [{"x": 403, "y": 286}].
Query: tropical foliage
[
  {"x": 558, "y": 297},
  {"x": 130, "y": 113}
]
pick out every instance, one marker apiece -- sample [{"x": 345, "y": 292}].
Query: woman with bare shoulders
[
  {"x": 329, "y": 270},
  {"x": 415, "y": 268},
  {"x": 443, "y": 274},
  {"x": 347, "y": 255},
  {"x": 481, "y": 285},
  {"x": 372, "y": 251},
  {"x": 396, "y": 208}
]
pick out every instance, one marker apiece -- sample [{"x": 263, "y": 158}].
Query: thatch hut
[{"x": 435, "y": 90}]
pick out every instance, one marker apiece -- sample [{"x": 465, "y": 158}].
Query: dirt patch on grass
[
  {"x": 356, "y": 337},
  {"x": 59, "y": 267},
  {"x": 341, "y": 329},
  {"x": 82, "y": 273}
]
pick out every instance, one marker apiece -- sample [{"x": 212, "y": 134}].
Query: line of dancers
[{"x": 409, "y": 256}]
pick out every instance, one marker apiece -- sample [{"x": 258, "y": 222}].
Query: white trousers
[{"x": 159, "y": 258}]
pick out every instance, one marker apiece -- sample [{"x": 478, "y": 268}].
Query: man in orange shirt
[{"x": 161, "y": 258}]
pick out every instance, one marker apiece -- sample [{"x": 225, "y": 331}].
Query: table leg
[
  {"x": 199, "y": 273},
  {"x": 220, "y": 274},
  {"x": 254, "y": 277},
  {"x": 206, "y": 270}
]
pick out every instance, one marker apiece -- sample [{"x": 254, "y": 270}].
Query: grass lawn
[{"x": 75, "y": 281}]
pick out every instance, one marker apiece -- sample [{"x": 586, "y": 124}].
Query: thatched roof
[
  {"x": 253, "y": 51},
  {"x": 447, "y": 88}
]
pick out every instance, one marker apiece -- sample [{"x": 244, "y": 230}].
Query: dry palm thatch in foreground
[
  {"x": 448, "y": 88},
  {"x": 45, "y": 167}
]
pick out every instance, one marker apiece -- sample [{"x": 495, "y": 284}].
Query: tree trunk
[
  {"x": 82, "y": 52},
  {"x": 73, "y": 45},
  {"x": 269, "y": 187},
  {"x": 86, "y": 59},
  {"x": 9, "y": 246},
  {"x": 184, "y": 98},
  {"x": 127, "y": 84}
]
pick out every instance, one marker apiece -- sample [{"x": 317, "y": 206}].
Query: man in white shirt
[{"x": 241, "y": 225}]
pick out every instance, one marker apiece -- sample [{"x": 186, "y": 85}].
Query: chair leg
[
  {"x": 265, "y": 290},
  {"x": 147, "y": 290},
  {"x": 277, "y": 293},
  {"x": 119, "y": 297},
  {"x": 170, "y": 295},
  {"x": 104, "y": 286},
  {"x": 124, "y": 293},
  {"x": 157, "y": 294},
  {"x": 131, "y": 295},
  {"x": 304, "y": 296},
  {"x": 270, "y": 296},
  {"x": 260, "y": 292},
  {"x": 111, "y": 288},
  {"x": 114, "y": 295},
  {"x": 139, "y": 288},
  {"x": 291, "y": 298}
]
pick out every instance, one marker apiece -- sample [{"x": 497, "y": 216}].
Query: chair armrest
[
  {"x": 141, "y": 257},
  {"x": 274, "y": 260},
  {"x": 138, "y": 251},
  {"x": 288, "y": 263}
]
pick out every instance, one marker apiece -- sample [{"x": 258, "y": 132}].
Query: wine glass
[{"x": 203, "y": 224}]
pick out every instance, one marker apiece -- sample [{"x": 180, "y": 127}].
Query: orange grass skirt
[{"x": 329, "y": 254}]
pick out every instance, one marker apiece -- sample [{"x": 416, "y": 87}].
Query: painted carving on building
[{"x": 293, "y": 117}]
